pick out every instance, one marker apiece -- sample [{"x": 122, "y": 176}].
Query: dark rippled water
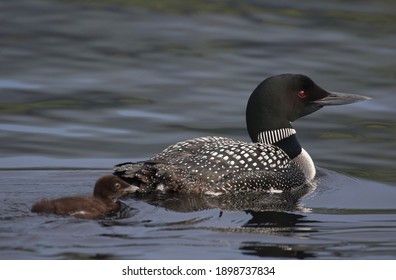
[{"x": 86, "y": 85}]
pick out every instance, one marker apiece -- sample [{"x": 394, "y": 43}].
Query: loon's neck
[{"x": 285, "y": 138}]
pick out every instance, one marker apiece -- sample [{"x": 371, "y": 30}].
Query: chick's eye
[
  {"x": 301, "y": 94},
  {"x": 117, "y": 186}
]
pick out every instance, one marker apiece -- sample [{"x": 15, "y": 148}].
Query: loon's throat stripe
[{"x": 273, "y": 136}]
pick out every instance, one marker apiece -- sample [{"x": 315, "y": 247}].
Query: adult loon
[{"x": 273, "y": 161}]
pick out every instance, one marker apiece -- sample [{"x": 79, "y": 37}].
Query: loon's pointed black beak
[{"x": 340, "y": 98}]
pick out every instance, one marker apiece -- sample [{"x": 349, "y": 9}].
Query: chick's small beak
[{"x": 131, "y": 189}]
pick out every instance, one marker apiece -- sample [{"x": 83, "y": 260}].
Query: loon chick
[
  {"x": 274, "y": 161},
  {"x": 103, "y": 202}
]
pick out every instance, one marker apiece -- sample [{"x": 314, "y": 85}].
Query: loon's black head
[{"x": 281, "y": 99}]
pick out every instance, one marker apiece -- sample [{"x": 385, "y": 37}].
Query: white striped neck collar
[{"x": 273, "y": 136}]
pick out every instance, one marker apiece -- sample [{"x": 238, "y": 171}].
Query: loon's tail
[{"x": 139, "y": 174}]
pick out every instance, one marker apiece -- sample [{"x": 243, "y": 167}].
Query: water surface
[{"x": 86, "y": 85}]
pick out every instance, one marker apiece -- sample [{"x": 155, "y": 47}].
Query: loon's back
[{"x": 214, "y": 165}]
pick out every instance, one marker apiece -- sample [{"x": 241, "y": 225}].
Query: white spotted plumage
[{"x": 217, "y": 165}]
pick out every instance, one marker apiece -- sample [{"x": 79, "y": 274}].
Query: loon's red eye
[{"x": 301, "y": 94}]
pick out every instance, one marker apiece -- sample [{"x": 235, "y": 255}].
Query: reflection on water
[
  {"x": 88, "y": 84},
  {"x": 285, "y": 201},
  {"x": 281, "y": 223},
  {"x": 270, "y": 251}
]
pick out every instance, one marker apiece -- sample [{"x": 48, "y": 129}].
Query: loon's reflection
[
  {"x": 275, "y": 251},
  {"x": 277, "y": 214},
  {"x": 283, "y": 201},
  {"x": 280, "y": 223}
]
